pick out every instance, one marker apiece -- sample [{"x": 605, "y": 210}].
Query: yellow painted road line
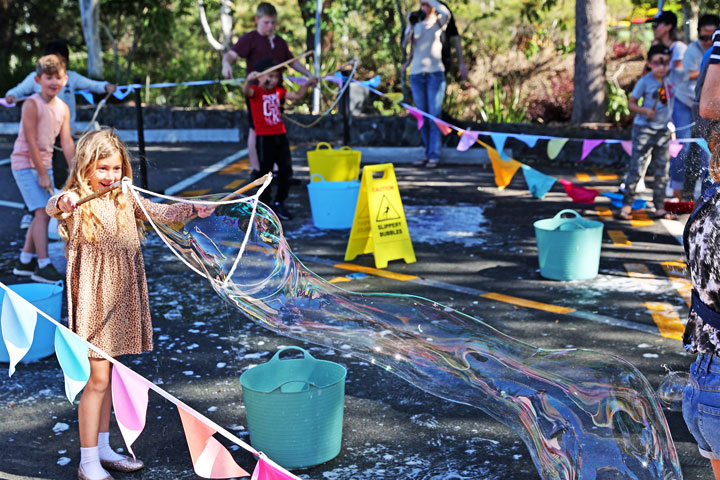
[
  {"x": 638, "y": 270},
  {"x": 235, "y": 184},
  {"x": 677, "y": 267},
  {"x": 679, "y": 281},
  {"x": 340, "y": 280},
  {"x": 666, "y": 319},
  {"x": 194, "y": 193},
  {"x": 522, "y": 302},
  {"x": 602, "y": 176},
  {"x": 603, "y": 212},
  {"x": 375, "y": 271},
  {"x": 618, "y": 238},
  {"x": 582, "y": 177},
  {"x": 640, "y": 219},
  {"x": 235, "y": 168}
]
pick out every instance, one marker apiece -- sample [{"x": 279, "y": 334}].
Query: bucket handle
[
  {"x": 312, "y": 178},
  {"x": 59, "y": 284},
  {"x": 276, "y": 357},
  {"x": 323, "y": 144},
  {"x": 346, "y": 148},
  {"x": 567, "y": 210},
  {"x": 295, "y": 381}
]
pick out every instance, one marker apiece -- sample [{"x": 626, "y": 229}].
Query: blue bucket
[
  {"x": 568, "y": 248},
  {"x": 332, "y": 203},
  {"x": 48, "y": 298},
  {"x": 617, "y": 200}
]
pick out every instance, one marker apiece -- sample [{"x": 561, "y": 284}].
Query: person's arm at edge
[
  {"x": 301, "y": 91},
  {"x": 29, "y": 121},
  {"x": 66, "y": 140},
  {"x": 81, "y": 82},
  {"x": 22, "y": 89},
  {"x": 710, "y": 96},
  {"x": 637, "y": 109},
  {"x": 247, "y": 88},
  {"x": 442, "y": 12},
  {"x": 227, "y": 61}
]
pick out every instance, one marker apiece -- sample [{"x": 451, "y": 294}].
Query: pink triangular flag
[
  {"x": 443, "y": 126},
  {"x": 467, "y": 140},
  {"x": 627, "y": 146},
  {"x": 266, "y": 469},
  {"x": 589, "y": 146},
  {"x": 577, "y": 193},
  {"x": 675, "y": 148},
  {"x": 130, "y": 400},
  {"x": 418, "y": 116},
  {"x": 210, "y": 459}
]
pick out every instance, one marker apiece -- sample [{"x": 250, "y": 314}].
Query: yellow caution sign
[{"x": 379, "y": 226}]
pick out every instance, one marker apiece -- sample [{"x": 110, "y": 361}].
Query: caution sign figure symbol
[{"x": 386, "y": 211}]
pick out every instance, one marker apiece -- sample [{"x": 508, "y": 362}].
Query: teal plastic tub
[
  {"x": 294, "y": 408},
  {"x": 568, "y": 248},
  {"x": 332, "y": 203},
  {"x": 48, "y": 298}
]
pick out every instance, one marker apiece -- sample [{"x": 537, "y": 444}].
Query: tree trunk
[
  {"x": 590, "y": 45},
  {"x": 90, "y": 13}
]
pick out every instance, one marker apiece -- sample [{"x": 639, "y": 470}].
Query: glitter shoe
[
  {"x": 125, "y": 464},
  {"x": 82, "y": 476}
]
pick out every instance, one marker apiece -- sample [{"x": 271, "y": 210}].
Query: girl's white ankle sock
[
  {"x": 105, "y": 450},
  {"x": 90, "y": 463}
]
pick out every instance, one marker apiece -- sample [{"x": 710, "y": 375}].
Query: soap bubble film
[{"x": 581, "y": 414}]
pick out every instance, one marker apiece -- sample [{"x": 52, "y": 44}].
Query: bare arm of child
[
  {"x": 302, "y": 69},
  {"x": 247, "y": 89},
  {"x": 227, "y": 60},
  {"x": 302, "y": 91},
  {"x": 29, "y": 121},
  {"x": 710, "y": 96},
  {"x": 66, "y": 140},
  {"x": 637, "y": 109}
]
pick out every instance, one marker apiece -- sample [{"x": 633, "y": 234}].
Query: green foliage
[
  {"x": 617, "y": 102},
  {"x": 501, "y": 105}
]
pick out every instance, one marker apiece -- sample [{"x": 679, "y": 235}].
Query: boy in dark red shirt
[
  {"x": 253, "y": 47},
  {"x": 265, "y": 99}
]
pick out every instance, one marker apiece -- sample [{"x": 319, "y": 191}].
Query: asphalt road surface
[{"x": 476, "y": 253}]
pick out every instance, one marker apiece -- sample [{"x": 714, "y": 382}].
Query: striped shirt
[{"x": 715, "y": 55}]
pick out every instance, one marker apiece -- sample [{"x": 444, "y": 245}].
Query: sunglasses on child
[
  {"x": 705, "y": 38},
  {"x": 658, "y": 63}
]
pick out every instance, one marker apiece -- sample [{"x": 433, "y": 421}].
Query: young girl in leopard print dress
[{"x": 107, "y": 291}]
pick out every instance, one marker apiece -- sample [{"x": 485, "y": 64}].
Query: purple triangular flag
[
  {"x": 467, "y": 140},
  {"x": 588, "y": 146}
]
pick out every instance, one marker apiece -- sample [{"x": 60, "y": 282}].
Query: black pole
[
  {"x": 141, "y": 136},
  {"x": 347, "y": 117}
]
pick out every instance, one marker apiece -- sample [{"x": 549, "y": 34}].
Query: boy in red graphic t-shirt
[{"x": 272, "y": 144}]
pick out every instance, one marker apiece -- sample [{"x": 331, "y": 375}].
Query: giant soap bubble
[{"x": 582, "y": 414}]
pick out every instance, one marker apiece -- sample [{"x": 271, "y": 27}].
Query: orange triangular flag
[
  {"x": 210, "y": 459},
  {"x": 504, "y": 170},
  {"x": 443, "y": 126}
]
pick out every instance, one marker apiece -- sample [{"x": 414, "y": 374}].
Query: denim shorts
[
  {"x": 701, "y": 404},
  {"x": 33, "y": 194}
]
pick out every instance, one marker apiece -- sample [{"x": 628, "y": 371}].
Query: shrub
[{"x": 554, "y": 104}]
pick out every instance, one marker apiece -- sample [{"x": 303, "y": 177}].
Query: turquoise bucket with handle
[
  {"x": 294, "y": 408},
  {"x": 332, "y": 203},
  {"x": 568, "y": 248},
  {"x": 48, "y": 298}
]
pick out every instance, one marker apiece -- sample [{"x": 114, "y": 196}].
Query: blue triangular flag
[
  {"x": 499, "y": 141},
  {"x": 529, "y": 140},
  {"x": 538, "y": 183},
  {"x": 704, "y": 145},
  {"x": 17, "y": 321},
  {"x": 72, "y": 354},
  {"x": 87, "y": 96}
]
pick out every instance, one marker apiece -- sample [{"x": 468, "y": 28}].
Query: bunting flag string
[
  {"x": 504, "y": 169},
  {"x": 443, "y": 126},
  {"x": 577, "y": 193},
  {"x": 417, "y": 114},
  {"x": 129, "y": 392},
  {"x": 538, "y": 183},
  {"x": 467, "y": 139},
  {"x": 554, "y": 146},
  {"x": 499, "y": 141}
]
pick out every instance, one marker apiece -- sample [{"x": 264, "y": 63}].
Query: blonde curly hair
[{"x": 92, "y": 147}]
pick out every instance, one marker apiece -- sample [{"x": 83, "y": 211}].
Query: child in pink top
[{"x": 44, "y": 116}]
